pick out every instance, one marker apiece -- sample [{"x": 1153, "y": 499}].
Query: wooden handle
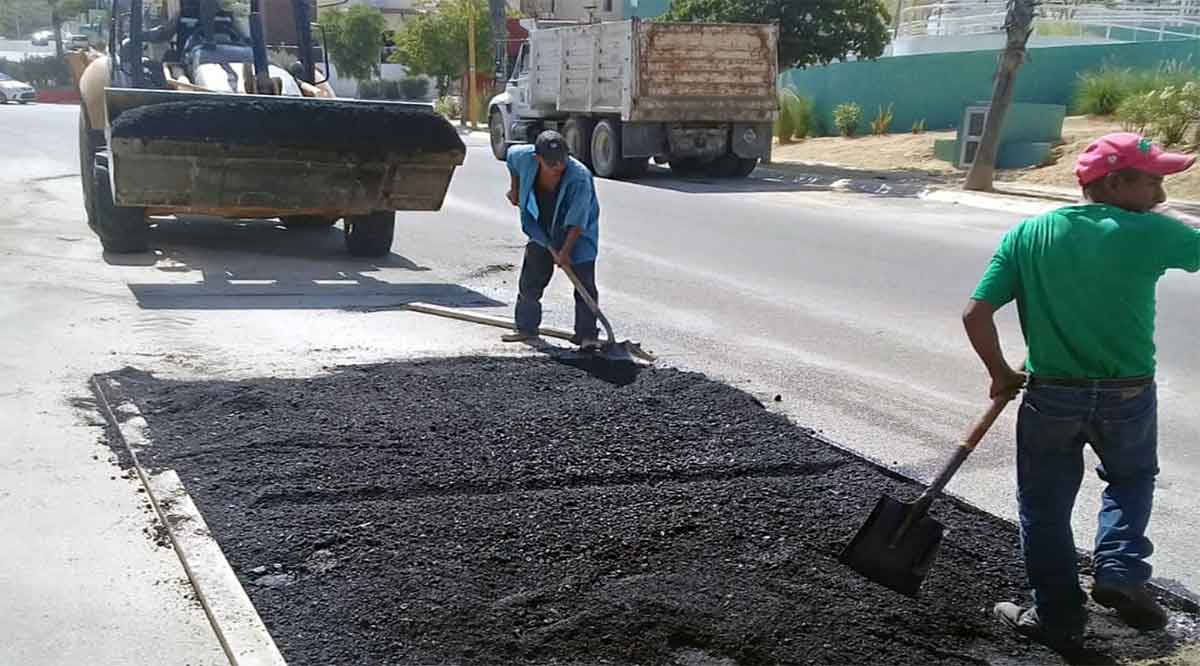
[{"x": 985, "y": 422}]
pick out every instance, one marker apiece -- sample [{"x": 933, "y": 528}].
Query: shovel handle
[
  {"x": 591, "y": 302},
  {"x": 982, "y": 425}
]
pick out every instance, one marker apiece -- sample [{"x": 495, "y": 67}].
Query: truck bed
[{"x": 659, "y": 72}]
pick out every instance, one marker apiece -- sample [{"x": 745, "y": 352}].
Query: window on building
[{"x": 608, "y": 4}]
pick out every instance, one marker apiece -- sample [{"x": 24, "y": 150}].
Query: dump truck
[
  {"x": 699, "y": 96},
  {"x": 185, "y": 114}
]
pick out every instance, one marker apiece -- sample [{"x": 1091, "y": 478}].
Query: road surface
[{"x": 844, "y": 305}]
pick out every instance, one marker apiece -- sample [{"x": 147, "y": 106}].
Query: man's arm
[
  {"x": 979, "y": 321},
  {"x": 563, "y": 256}
]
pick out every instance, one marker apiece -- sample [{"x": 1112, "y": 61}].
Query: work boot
[
  {"x": 1025, "y": 621},
  {"x": 1134, "y": 604},
  {"x": 518, "y": 336},
  {"x": 589, "y": 344}
]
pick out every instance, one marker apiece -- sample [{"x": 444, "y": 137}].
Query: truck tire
[
  {"x": 370, "y": 235},
  {"x": 686, "y": 167},
  {"x": 722, "y": 167},
  {"x": 499, "y": 135},
  {"x": 635, "y": 167},
  {"x": 578, "y": 132},
  {"x": 307, "y": 221},
  {"x": 122, "y": 230},
  {"x": 746, "y": 166},
  {"x": 606, "y": 150},
  {"x": 87, "y": 161}
]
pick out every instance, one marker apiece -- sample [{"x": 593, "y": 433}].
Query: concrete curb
[{"x": 239, "y": 629}]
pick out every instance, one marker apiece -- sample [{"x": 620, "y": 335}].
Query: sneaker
[
  {"x": 518, "y": 336},
  {"x": 1134, "y": 604},
  {"x": 1025, "y": 621}
]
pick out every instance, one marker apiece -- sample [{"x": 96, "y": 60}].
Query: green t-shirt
[{"x": 1084, "y": 280}]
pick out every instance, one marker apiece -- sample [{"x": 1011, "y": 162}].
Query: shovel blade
[{"x": 894, "y": 560}]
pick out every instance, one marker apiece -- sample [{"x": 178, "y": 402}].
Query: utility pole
[
  {"x": 469, "y": 107},
  {"x": 499, "y": 15}
]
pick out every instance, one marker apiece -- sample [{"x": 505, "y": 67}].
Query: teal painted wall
[
  {"x": 936, "y": 87},
  {"x": 646, "y": 8}
]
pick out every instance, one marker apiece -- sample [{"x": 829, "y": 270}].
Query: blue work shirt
[{"x": 576, "y": 206}]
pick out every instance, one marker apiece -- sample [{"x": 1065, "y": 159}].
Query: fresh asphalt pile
[
  {"x": 485, "y": 511},
  {"x": 294, "y": 122}
]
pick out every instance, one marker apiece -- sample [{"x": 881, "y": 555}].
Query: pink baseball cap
[{"x": 1125, "y": 150}]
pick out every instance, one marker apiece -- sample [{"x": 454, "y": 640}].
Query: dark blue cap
[{"x": 551, "y": 147}]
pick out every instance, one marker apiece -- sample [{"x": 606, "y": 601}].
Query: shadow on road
[
  {"x": 261, "y": 265},
  {"x": 797, "y": 178}
]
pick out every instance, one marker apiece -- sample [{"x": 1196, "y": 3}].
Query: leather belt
[{"x": 1119, "y": 383}]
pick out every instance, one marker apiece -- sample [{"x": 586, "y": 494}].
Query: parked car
[
  {"x": 78, "y": 42},
  {"x": 12, "y": 90},
  {"x": 41, "y": 37}
]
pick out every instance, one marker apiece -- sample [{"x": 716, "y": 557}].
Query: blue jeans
[
  {"x": 1054, "y": 423},
  {"x": 536, "y": 270}
]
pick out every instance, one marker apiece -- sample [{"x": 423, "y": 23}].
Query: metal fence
[{"x": 1125, "y": 21}]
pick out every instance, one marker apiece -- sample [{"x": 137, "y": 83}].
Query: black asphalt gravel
[{"x": 490, "y": 511}]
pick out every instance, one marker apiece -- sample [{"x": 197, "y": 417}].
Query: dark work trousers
[{"x": 536, "y": 271}]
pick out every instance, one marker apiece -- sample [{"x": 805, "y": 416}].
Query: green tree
[
  {"x": 354, "y": 38},
  {"x": 61, "y": 10},
  {"x": 20, "y": 18},
  {"x": 434, "y": 43},
  {"x": 813, "y": 32}
]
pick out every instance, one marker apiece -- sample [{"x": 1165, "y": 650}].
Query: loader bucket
[{"x": 238, "y": 155}]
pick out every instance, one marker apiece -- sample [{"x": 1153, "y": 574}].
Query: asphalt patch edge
[{"x": 234, "y": 619}]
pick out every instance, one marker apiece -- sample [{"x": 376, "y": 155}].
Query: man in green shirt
[{"x": 1084, "y": 281}]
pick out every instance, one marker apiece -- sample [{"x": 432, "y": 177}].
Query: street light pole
[{"x": 469, "y": 109}]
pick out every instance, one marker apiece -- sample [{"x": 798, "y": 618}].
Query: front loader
[{"x": 185, "y": 114}]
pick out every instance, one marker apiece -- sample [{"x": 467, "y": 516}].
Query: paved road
[
  {"x": 12, "y": 49},
  {"x": 844, "y": 305}
]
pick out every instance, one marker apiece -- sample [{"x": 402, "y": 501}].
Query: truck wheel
[
  {"x": 87, "y": 160},
  {"x": 307, "y": 221},
  {"x": 606, "y": 150},
  {"x": 122, "y": 230},
  {"x": 685, "y": 167},
  {"x": 635, "y": 167},
  {"x": 746, "y": 166},
  {"x": 370, "y": 235},
  {"x": 496, "y": 129},
  {"x": 722, "y": 167},
  {"x": 577, "y": 132}
]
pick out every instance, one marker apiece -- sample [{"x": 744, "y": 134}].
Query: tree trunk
[
  {"x": 1019, "y": 25},
  {"x": 56, "y": 23}
]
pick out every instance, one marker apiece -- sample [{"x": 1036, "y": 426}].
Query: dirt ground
[
  {"x": 914, "y": 152},
  {"x": 484, "y": 511}
]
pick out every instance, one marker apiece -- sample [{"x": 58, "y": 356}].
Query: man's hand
[
  {"x": 1007, "y": 384},
  {"x": 562, "y": 257},
  {"x": 513, "y": 197}
]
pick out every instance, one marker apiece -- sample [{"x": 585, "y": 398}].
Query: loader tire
[
  {"x": 499, "y": 136},
  {"x": 686, "y": 167},
  {"x": 370, "y": 235},
  {"x": 122, "y": 230},
  {"x": 87, "y": 160},
  {"x": 307, "y": 221}
]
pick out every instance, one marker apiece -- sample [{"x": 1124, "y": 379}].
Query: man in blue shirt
[{"x": 561, "y": 217}]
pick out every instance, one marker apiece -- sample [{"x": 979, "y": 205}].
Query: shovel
[
  {"x": 624, "y": 351},
  {"x": 899, "y": 542}
]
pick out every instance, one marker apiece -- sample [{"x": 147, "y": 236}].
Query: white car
[
  {"x": 12, "y": 90},
  {"x": 41, "y": 37}
]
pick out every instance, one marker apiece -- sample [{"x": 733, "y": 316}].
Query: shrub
[
  {"x": 919, "y": 127},
  {"x": 847, "y": 117},
  {"x": 414, "y": 88},
  {"x": 448, "y": 106},
  {"x": 1171, "y": 115},
  {"x": 883, "y": 121},
  {"x": 1136, "y": 113},
  {"x": 1101, "y": 92},
  {"x": 41, "y": 72},
  {"x": 795, "y": 116}
]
